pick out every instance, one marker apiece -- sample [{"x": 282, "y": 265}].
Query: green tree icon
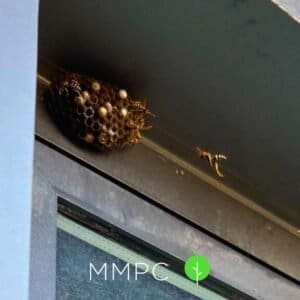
[{"x": 197, "y": 267}]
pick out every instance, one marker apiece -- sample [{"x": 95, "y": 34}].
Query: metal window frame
[{"x": 56, "y": 175}]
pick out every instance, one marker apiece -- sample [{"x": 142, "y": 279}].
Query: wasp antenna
[
  {"x": 148, "y": 112},
  {"x": 146, "y": 127}
]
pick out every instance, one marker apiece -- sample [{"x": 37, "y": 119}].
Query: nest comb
[{"x": 96, "y": 113}]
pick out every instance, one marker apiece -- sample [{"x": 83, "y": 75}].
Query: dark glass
[{"x": 73, "y": 281}]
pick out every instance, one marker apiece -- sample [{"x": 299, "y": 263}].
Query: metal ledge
[
  {"x": 291, "y": 7},
  {"x": 175, "y": 187}
]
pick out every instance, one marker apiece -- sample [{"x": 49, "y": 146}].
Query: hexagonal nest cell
[{"x": 96, "y": 113}]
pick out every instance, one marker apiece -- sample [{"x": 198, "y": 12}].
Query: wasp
[
  {"x": 213, "y": 159},
  {"x": 137, "y": 125},
  {"x": 142, "y": 107},
  {"x": 75, "y": 85}
]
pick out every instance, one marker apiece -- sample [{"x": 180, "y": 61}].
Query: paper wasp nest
[{"x": 96, "y": 113}]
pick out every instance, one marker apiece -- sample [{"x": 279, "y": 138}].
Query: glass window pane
[{"x": 81, "y": 253}]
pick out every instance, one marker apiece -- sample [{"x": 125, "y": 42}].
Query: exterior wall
[{"x": 18, "y": 35}]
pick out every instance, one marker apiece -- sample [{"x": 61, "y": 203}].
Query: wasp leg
[{"x": 217, "y": 169}]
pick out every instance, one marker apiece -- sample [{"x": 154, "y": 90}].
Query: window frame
[{"x": 58, "y": 176}]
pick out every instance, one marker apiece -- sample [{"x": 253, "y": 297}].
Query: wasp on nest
[{"x": 96, "y": 113}]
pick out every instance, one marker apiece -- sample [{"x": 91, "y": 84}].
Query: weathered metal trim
[
  {"x": 221, "y": 187},
  {"x": 58, "y": 176},
  {"x": 43, "y": 237}
]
